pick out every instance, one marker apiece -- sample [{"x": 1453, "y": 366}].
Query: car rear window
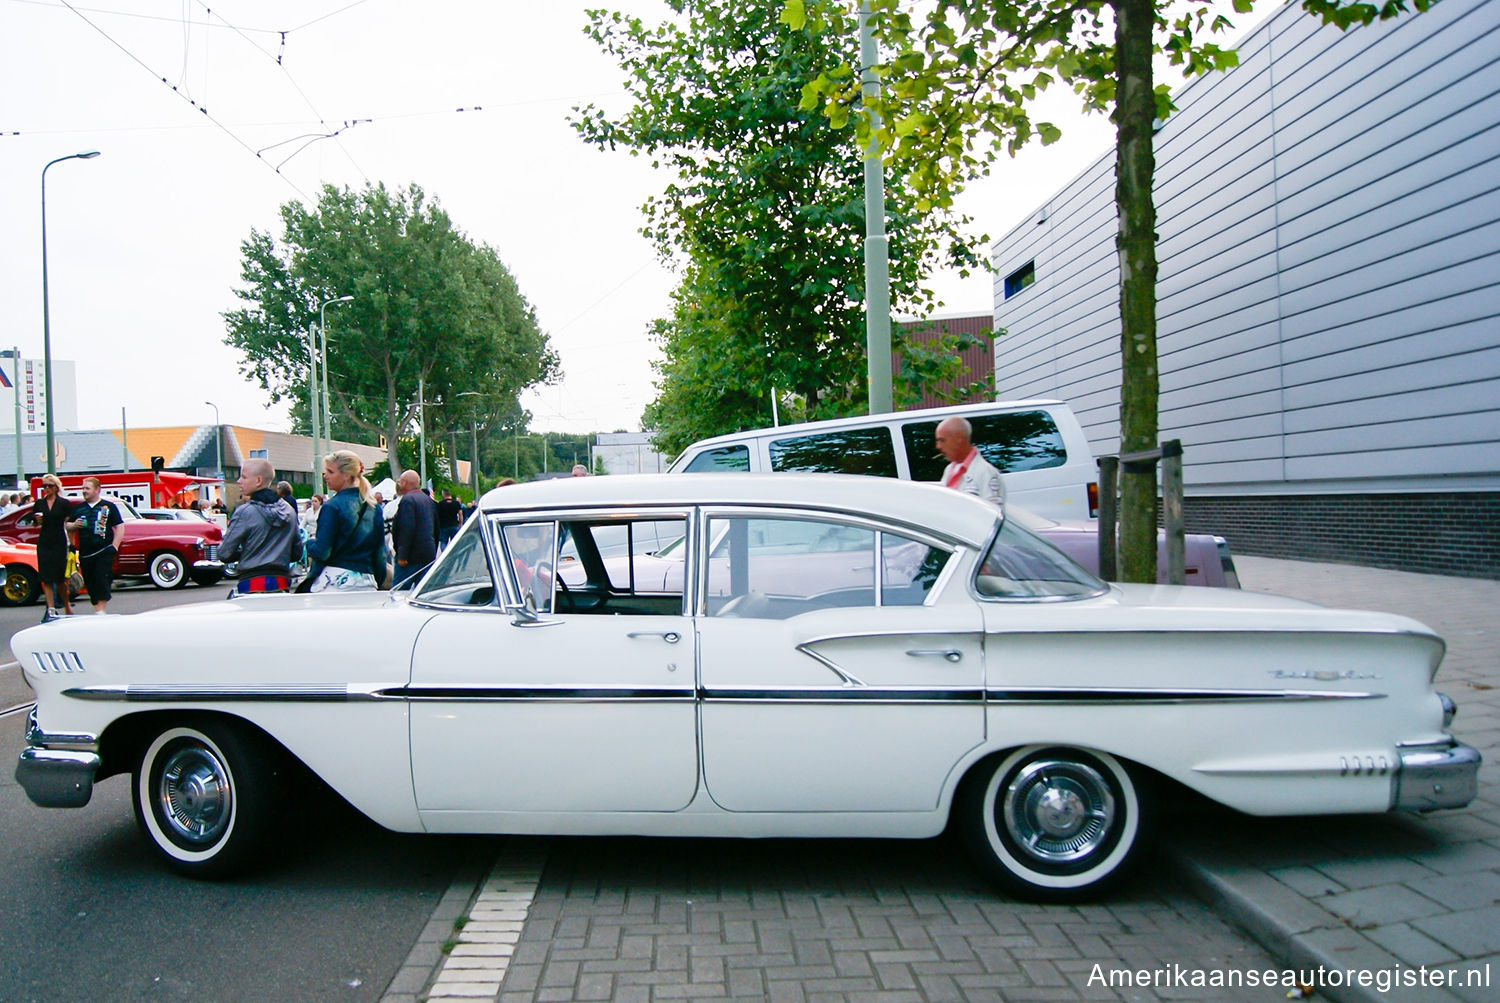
[
  {"x": 850, "y": 451},
  {"x": 730, "y": 458},
  {"x": 1021, "y": 440}
]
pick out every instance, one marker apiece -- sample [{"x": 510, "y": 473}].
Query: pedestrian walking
[
  {"x": 450, "y": 516},
  {"x": 413, "y": 529},
  {"x": 100, "y": 529},
  {"x": 263, "y": 535},
  {"x": 348, "y": 552},
  {"x": 51, "y": 513}
]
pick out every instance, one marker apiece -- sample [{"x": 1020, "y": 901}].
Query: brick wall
[{"x": 1442, "y": 534}]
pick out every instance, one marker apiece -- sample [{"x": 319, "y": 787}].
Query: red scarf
[{"x": 951, "y": 481}]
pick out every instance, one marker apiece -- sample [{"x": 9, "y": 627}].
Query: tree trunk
[{"x": 1135, "y": 167}]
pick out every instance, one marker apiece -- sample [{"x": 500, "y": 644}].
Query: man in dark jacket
[
  {"x": 412, "y": 529},
  {"x": 450, "y": 516},
  {"x": 262, "y": 533}
]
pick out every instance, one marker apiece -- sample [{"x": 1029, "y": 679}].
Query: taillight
[{"x": 1093, "y": 488}]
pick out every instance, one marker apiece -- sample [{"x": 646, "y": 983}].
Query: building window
[
  {"x": 1020, "y": 279},
  {"x": 258, "y": 454}
]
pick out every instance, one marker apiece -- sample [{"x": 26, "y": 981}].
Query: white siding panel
[
  {"x": 1452, "y": 385},
  {"x": 1436, "y": 461},
  {"x": 1399, "y": 349}
]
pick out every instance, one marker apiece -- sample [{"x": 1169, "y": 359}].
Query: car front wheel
[
  {"x": 1054, "y": 824},
  {"x": 167, "y": 571},
  {"x": 203, "y": 795},
  {"x": 22, "y": 585}
]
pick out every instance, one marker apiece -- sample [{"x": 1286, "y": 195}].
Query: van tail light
[{"x": 1093, "y": 487}]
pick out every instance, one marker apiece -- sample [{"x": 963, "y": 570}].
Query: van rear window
[
  {"x": 731, "y": 458},
  {"x": 1022, "y": 440},
  {"x": 850, "y": 451}
]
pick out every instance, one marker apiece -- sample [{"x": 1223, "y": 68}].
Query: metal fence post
[
  {"x": 1173, "y": 522},
  {"x": 1109, "y": 475}
]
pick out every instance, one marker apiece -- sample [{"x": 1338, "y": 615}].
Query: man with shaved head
[
  {"x": 262, "y": 534},
  {"x": 967, "y": 471},
  {"x": 414, "y": 528}
]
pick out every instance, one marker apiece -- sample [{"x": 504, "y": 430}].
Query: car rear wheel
[
  {"x": 167, "y": 571},
  {"x": 204, "y": 795},
  {"x": 22, "y": 585},
  {"x": 1054, "y": 824}
]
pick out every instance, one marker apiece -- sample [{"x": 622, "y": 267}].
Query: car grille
[{"x": 211, "y": 552}]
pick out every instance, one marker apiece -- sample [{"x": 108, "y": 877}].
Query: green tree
[
  {"x": 430, "y": 308},
  {"x": 765, "y": 213},
  {"x": 956, "y": 85}
]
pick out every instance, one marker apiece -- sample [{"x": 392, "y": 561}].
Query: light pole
[
  {"x": 15, "y": 382},
  {"x": 312, "y": 384},
  {"x": 46, "y": 315},
  {"x": 218, "y": 450}
]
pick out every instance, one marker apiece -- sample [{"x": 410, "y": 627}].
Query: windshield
[{"x": 1021, "y": 565}]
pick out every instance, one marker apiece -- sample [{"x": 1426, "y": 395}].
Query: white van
[{"x": 1037, "y": 445}]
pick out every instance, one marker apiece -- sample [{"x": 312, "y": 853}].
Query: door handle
[
  {"x": 947, "y": 654},
  {"x": 670, "y": 636}
]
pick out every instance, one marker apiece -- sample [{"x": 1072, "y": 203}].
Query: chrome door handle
[
  {"x": 948, "y": 654},
  {"x": 670, "y": 636}
]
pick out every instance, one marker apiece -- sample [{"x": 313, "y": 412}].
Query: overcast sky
[{"x": 143, "y": 241}]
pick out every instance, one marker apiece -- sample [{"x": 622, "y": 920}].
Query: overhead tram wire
[
  {"x": 323, "y": 121},
  {"x": 201, "y": 109}
]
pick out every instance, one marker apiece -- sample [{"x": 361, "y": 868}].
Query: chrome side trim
[
  {"x": 829, "y": 664},
  {"x": 1107, "y": 695},
  {"x": 536, "y": 694},
  {"x": 198, "y": 693},
  {"x": 76, "y": 742},
  {"x": 53, "y": 662},
  {"x": 864, "y": 694}
]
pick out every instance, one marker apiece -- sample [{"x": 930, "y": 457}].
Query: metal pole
[
  {"x": 474, "y": 456},
  {"x": 877, "y": 247},
  {"x": 312, "y": 400},
  {"x": 421, "y": 430},
  {"x": 46, "y": 308},
  {"x": 323, "y": 352},
  {"x": 218, "y": 450},
  {"x": 124, "y": 444}
]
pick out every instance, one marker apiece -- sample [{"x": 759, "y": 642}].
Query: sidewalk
[{"x": 1376, "y": 892}]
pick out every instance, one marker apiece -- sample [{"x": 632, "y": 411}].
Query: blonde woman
[
  {"x": 348, "y": 550},
  {"x": 51, "y": 514}
]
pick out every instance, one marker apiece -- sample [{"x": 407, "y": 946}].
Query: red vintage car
[{"x": 170, "y": 554}]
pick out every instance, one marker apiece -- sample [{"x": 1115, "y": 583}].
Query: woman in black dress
[{"x": 50, "y": 513}]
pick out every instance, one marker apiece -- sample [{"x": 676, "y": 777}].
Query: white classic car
[{"x": 841, "y": 656}]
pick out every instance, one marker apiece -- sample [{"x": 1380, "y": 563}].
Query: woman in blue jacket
[{"x": 348, "y": 550}]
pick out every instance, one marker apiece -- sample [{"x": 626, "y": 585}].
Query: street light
[
  {"x": 312, "y": 382},
  {"x": 46, "y": 317},
  {"x": 218, "y": 450}
]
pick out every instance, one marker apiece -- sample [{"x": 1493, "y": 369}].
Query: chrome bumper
[
  {"x": 1435, "y": 776},
  {"x": 207, "y": 565},
  {"x": 57, "y": 777}
]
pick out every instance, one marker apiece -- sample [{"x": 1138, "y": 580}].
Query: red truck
[{"x": 169, "y": 553}]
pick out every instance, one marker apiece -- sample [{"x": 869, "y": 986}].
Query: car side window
[
  {"x": 1021, "y": 440},
  {"x": 1021, "y": 565},
  {"x": 622, "y": 566},
  {"x": 778, "y": 568},
  {"x": 848, "y": 451},
  {"x": 461, "y": 576},
  {"x": 530, "y": 549},
  {"x": 724, "y": 458}
]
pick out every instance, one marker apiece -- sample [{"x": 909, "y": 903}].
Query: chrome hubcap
[
  {"x": 194, "y": 795},
  {"x": 1058, "y": 811}
]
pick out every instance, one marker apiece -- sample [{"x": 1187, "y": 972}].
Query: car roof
[
  {"x": 963, "y": 518},
  {"x": 866, "y": 420}
]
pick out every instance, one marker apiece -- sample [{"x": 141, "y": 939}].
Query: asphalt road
[{"x": 90, "y": 914}]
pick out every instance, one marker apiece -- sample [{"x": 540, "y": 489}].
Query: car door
[
  {"x": 547, "y": 710},
  {"x": 827, "y": 686}
]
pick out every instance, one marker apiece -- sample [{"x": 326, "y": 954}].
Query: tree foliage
[
  {"x": 957, "y": 83},
  {"x": 765, "y": 213},
  {"x": 430, "y": 308}
]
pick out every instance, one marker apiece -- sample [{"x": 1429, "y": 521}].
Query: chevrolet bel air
[{"x": 839, "y": 656}]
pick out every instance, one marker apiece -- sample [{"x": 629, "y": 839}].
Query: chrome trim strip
[
  {"x": 76, "y": 742},
  {"x": 1109, "y": 695},
  {"x": 829, "y": 664},
  {"x": 536, "y": 694},
  {"x": 198, "y": 693},
  {"x": 890, "y": 694}
]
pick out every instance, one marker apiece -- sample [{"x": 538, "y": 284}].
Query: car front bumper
[
  {"x": 57, "y": 771},
  {"x": 1441, "y": 775}
]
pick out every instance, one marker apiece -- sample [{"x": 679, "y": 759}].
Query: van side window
[
  {"x": 1023, "y": 440},
  {"x": 725, "y": 458},
  {"x": 850, "y": 451}
]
